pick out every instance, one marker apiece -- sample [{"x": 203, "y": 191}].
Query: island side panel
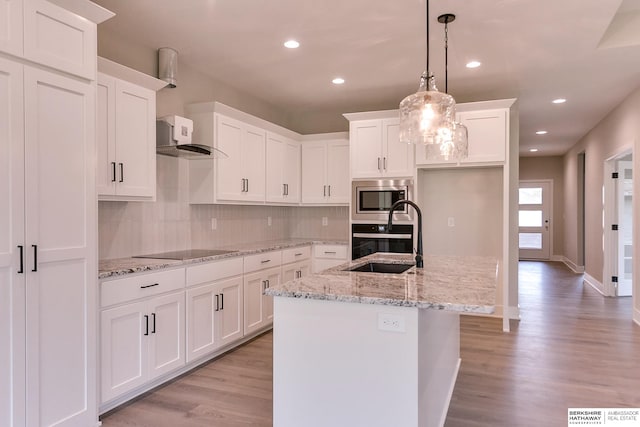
[
  {"x": 439, "y": 359},
  {"x": 332, "y": 366}
]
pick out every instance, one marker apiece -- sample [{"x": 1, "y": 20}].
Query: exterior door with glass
[{"x": 534, "y": 219}]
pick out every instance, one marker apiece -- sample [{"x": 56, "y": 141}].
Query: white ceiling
[{"x": 533, "y": 50}]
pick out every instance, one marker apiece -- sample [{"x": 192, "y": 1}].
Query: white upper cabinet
[
  {"x": 11, "y": 26},
  {"x": 325, "y": 172},
  {"x": 282, "y": 170},
  {"x": 262, "y": 163},
  {"x": 376, "y": 150},
  {"x": 241, "y": 176},
  {"x": 126, "y": 130},
  {"x": 59, "y": 39},
  {"x": 488, "y": 135}
]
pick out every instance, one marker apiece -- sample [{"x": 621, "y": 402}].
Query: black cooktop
[{"x": 187, "y": 254}]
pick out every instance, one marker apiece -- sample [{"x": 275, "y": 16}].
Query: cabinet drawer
[
  {"x": 212, "y": 271},
  {"x": 296, "y": 254},
  {"x": 263, "y": 260},
  {"x": 142, "y": 285},
  {"x": 330, "y": 251}
]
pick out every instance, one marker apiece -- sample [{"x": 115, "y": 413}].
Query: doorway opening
[
  {"x": 618, "y": 225},
  {"x": 535, "y": 234}
]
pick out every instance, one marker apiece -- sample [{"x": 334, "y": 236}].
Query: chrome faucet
[{"x": 419, "y": 261}]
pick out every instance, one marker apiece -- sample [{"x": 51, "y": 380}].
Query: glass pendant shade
[
  {"x": 451, "y": 146},
  {"x": 427, "y": 116}
]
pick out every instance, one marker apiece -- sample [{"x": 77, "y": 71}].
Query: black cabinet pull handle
[
  {"x": 113, "y": 171},
  {"x": 146, "y": 323},
  {"x": 221, "y": 301},
  {"x": 268, "y": 285},
  {"x": 21, "y": 270},
  {"x": 265, "y": 261},
  {"x": 149, "y": 286},
  {"x": 329, "y": 190},
  {"x": 217, "y": 303},
  {"x": 35, "y": 257},
  {"x": 264, "y": 285},
  {"x": 153, "y": 330},
  {"x": 121, "y": 172}
]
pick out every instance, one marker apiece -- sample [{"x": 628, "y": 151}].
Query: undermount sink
[{"x": 381, "y": 267}]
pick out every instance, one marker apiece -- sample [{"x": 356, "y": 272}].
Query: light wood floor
[{"x": 573, "y": 348}]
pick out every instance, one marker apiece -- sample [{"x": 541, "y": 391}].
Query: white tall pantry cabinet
[{"x": 48, "y": 263}]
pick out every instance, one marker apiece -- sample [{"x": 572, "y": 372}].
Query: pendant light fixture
[
  {"x": 427, "y": 116},
  {"x": 454, "y": 145}
]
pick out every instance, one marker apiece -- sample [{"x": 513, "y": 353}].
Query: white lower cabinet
[
  {"x": 214, "y": 316},
  {"x": 258, "y": 307},
  {"x": 296, "y": 270},
  {"x": 327, "y": 256},
  {"x": 142, "y": 330},
  {"x": 141, "y": 341}
]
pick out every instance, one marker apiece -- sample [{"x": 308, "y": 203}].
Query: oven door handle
[{"x": 382, "y": 236}]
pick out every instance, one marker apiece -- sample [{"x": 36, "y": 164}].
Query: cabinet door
[
  {"x": 304, "y": 268},
  {"x": 338, "y": 172},
  {"x": 106, "y": 135},
  {"x": 123, "y": 347},
  {"x": 397, "y": 156},
  {"x": 314, "y": 187},
  {"x": 12, "y": 281},
  {"x": 166, "y": 334},
  {"x": 366, "y": 139},
  {"x": 135, "y": 137},
  {"x": 487, "y": 135},
  {"x": 201, "y": 321},
  {"x": 275, "y": 158},
  {"x": 60, "y": 230},
  {"x": 289, "y": 272},
  {"x": 229, "y": 175},
  {"x": 230, "y": 311},
  {"x": 253, "y": 163},
  {"x": 59, "y": 38},
  {"x": 273, "y": 277},
  {"x": 11, "y": 28},
  {"x": 254, "y": 285},
  {"x": 292, "y": 171}
]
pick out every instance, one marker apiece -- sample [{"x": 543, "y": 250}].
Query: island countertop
[{"x": 453, "y": 283}]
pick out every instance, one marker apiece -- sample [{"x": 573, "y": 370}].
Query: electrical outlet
[
  {"x": 451, "y": 222},
  {"x": 391, "y": 322},
  {"x": 325, "y": 221},
  {"x": 269, "y": 221},
  {"x": 214, "y": 223}
]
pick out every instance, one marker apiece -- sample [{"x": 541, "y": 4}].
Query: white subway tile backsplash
[{"x": 170, "y": 223}]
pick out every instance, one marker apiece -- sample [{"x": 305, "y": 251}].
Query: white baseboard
[
  {"x": 575, "y": 268},
  {"x": 557, "y": 258},
  {"x": 589, "y": 280},
  {"x": 514, "y": 313},
  {"x": 636, "y": 316},
  {"x": 454, "y": 378}
]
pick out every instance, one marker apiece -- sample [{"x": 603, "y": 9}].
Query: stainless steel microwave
[{"x": 372, "y": 199}]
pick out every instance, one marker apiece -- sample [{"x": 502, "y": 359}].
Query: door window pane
[
  {"x": 530, "y": 240},
  {"x": 530, "y": 218},
  {"x": 530, "y": 196}
]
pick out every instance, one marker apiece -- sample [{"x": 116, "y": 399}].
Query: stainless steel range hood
[{"x": 173, "y": 138}]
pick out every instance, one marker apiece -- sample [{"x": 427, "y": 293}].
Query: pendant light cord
[
  {"x": 427, "y": 22},
  {"x": 446, "y": 56}
]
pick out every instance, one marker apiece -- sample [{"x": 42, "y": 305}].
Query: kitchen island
[{"x": 374, "y": 349}]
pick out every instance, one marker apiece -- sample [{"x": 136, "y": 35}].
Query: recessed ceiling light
[
  {"x": 533, "y": 150},
  {"x": 541, "y": 132},
  {"x": 337, "y": 81},
  {"x": 559, "y": 101},
  {"x": 291, "y": 44},
  {"x": 473, "y": 64}
]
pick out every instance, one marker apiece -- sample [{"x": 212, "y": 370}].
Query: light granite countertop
[
  {"x": 122, "y": 266},
  {"x": 454, "y": 283}
]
